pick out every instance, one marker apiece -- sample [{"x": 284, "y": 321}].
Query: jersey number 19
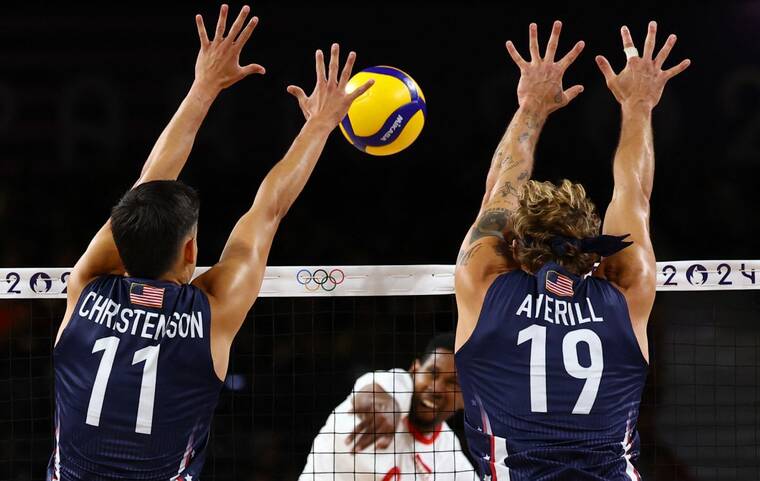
[{"x": 592, "y": 373}]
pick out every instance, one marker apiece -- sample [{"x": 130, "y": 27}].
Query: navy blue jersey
[
  {"x": 552, "y": 378},
  {"x": 135, "y": 387}
]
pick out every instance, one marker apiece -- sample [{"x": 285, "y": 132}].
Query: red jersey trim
[
  {"x": 419, "y": 436},
  {"x": 424, "y": 466},
  {"x": 393, "y": 474}
]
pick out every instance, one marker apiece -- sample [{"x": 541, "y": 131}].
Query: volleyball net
[{"x": 316, "y": 329}]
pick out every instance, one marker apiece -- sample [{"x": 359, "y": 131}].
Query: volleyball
[{"x": 388, "y": 117}]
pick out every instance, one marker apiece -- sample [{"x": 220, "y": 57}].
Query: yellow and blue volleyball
[{"x": 389, "y": 116}]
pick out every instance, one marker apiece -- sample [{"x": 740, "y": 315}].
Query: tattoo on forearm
[
  {"x": 464, "y": 256},
  {"x": 523, "y": 175},
  {"x": 508, "y": 189},
  {"x": 500, "y": 159},
  {"x": 531, "y": 121},
  {"x": 502, "y": 163},
  {"x": 508, "y": 163},
  {"x": 491, "y": 223}
]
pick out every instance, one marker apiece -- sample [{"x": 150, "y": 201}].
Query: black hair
[
  {"x": 444, "y": 340},
  {"x": 149, "y": 224}
]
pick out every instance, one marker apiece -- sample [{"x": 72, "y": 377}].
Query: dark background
[{"x": 86, "y": 90}]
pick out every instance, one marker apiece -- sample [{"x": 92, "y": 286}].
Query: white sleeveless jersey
[{"x": 412, "y": 455}]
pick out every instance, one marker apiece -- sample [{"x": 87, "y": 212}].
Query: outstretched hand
[
  {"x": 642, "y": 80},
  {"x": 218, "y": 63},
  {"x": 377, "y": 413},
  {"x": 329, "y": 101},
  {"x": 541, "y": 78}
]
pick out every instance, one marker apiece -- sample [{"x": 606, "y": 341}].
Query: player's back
[
  {"x": 552, "y": 378},
  {"x": 135, "y": 383}
]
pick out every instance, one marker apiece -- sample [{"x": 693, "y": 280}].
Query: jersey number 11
[{"x": 149, "y": 355}]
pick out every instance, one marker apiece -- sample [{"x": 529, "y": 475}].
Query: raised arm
[
  {"x": 638, "y": 88},
  {"x": 216, "y": 68},
  {"x": 234, "y": 282},
  {"x": 485, "y": 251}
]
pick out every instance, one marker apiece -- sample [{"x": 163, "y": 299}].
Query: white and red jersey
[{"x": 412, "y": 455}]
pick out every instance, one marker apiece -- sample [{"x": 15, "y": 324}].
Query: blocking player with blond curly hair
[
  {"x": 545, "y": 211},
  {"x": 551, "y": 361}
]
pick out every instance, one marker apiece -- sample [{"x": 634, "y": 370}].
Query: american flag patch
[
  {"x": 145, "y": 295},
  {"x": 558, "y": 284}
]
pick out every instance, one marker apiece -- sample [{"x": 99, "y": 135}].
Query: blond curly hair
[{"x": 546, "y": 210}]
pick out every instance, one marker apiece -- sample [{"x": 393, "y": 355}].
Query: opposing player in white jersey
[{"x": 392, "y": 426}]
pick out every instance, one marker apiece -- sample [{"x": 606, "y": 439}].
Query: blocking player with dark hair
[{"x": 142, "y": 351}]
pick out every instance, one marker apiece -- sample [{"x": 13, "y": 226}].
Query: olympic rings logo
[{"x": 327, "y": 281}]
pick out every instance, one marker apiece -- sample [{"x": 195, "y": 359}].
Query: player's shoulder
[
  {"x": 508, "y": 283},
  {"x": 192, "y": 290},
  {"x": 605, "y": 290},
  {"x": 513, "y": 276},
  {"x": 78, "y": 287},
  {"x": 631, "y": 273},
  {"x": 94, "y": 282}
]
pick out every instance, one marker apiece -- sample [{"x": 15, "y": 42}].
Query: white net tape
[{"x": 407, "y": 280}]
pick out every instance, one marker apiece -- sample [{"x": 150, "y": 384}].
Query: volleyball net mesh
[{"x": 315, "y": 330}]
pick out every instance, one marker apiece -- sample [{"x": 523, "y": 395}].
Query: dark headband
[{"x": 604, "y": 245}]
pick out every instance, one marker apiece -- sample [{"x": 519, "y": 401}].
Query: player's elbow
[{"x": 272, "y": 201}]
